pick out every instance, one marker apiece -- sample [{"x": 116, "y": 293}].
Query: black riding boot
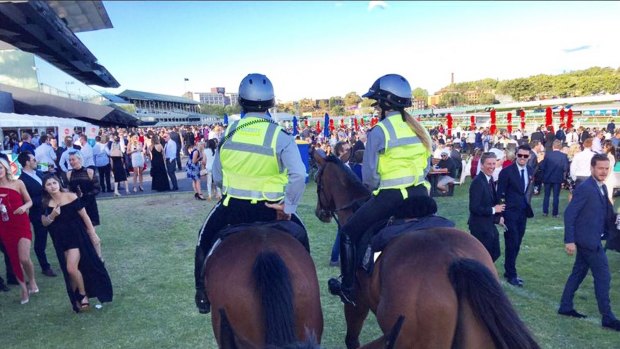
[
  {"x": 204, "y": 307},
  {"x": 346, "y": 288}
]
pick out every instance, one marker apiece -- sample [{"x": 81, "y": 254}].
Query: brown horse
[
  {"x": 441, "y": 280},
  {"x": 266, "y": 282}
]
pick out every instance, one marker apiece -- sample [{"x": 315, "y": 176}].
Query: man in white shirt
[
  {"x": 45, "y": 155},
  {"x": 102, "y": 162},
  {"x": 64, "y": 158},
  {"x": 87, "y": 153},
  {"x": 580, "y": 166}
]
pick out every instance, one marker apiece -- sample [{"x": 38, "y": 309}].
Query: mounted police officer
[
  {"x": 260, "y": 171},
  {"x": 396, "y": 162}
]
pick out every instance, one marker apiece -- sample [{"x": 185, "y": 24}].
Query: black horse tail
[
  {"x": 473, "y": 282},
  {"x": 276, "y": 292}
]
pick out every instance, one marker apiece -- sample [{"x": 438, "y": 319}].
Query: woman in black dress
[
  {"x": 82, "y": 181},
  {"x": 158, "y": 167},
  {"x": 118, "y": 164},
  {"x": 75, "y": 239}
]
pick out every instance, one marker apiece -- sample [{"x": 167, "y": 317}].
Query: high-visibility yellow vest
[
  {"x": 405, "y": 158},
  {"x": 250, "y": 167}
]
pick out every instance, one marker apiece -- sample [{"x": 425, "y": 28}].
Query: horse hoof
[{"x": 334, "y": 286}]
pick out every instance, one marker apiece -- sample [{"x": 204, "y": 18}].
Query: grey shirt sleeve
[
  {"x": 290, "y": 158},
  {"x": 375, "y": 145},
  {"x": 217, "y": 170}
]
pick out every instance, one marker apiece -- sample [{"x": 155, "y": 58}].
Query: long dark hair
[
  {"x": 45, "y": 196},
  {"x": 211, "y": 145}
]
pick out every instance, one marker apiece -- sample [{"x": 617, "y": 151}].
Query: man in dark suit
[
  {"x": 538, "y": 136},
  {"x": 611, "y": 127},
  {"x": 554, "y": 169},
  {"x": 32, "y": 181},
  {"x": 549, "y": 138},
  {"x": 585, "y": 221},
  {"x": 512, "y": 186},
  {"x": 483, "y": 206}
]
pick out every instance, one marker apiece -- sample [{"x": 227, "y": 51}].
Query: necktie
[
  {"x": 492, "y": 188},
  {"x": 523, "y": 180},
  {"x": 604, "y": 187}
]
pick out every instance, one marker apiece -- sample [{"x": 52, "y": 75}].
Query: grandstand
[{"x": 154, "y": 109}]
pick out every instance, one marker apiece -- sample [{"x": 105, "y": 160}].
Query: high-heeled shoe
[
  {"x": 25, "y": 300},
  {"x": 135, "y": 190},
  {"x": 117, "y": 194},
  {"x": 199, "y": 197},
  {"x": 140, "y": 188},
  {"x": 36, "y": 290}
]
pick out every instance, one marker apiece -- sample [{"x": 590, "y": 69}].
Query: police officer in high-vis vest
[
  {"x": 259, "y": 168},
  {"x": 396, "y": 161}
]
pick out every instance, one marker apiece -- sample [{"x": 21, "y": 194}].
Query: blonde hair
[
  {"x": 572, "y": 150},
  {"x": 419, "y": 130},
  {"x": 7, "y": 169}
]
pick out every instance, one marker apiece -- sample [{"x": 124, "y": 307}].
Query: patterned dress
[{"x": 193, "y": 170}]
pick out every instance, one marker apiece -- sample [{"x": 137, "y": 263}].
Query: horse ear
[{"x": 319, "y": 156}]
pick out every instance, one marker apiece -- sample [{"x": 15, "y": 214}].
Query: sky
[{"x": 321, "y": 49}]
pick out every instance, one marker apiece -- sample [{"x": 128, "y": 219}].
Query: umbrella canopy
[
  {"x": 562, "y": 115},
  {"x": 569, "y": 119},
  {"x": 449, "y": 124},
  {"x": 295, "y": 132},
  {"x": 522, "y": 116},
  {"x": 472, "y": 120},
  {"x": 327, "y": 123},
  {"x": 509, "y": 121},
  {"x": 493, "y": 128}
]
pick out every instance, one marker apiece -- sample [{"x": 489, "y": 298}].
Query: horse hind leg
[{"x": 355, "y": 317}]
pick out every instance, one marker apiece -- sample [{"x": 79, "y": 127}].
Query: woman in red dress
[{"x": 15, "y": 230}]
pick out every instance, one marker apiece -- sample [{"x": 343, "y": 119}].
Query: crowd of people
[{"x": 59, "y": 185}]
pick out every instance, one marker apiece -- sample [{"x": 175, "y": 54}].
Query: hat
[{"x": 445, "y": 152}]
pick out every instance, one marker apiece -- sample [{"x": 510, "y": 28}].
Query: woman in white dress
[{"x": 136, "y": 151}]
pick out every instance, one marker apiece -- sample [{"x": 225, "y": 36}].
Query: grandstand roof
[
  {"x": 82, "y": 16},
  {"x": 148, "y": 96},
  {"x": 34, "y": 26}
]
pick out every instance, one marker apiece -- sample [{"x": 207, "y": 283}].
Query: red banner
[
  {"x": 357, "y": 127},
  {"x": 306, "y": 122},
  {"x": 449, "y": 124},
  {"x": 569, "y": 119},
  {"x": 509, "y": 121},
  {"x": 493, "y": 128},
  {"x": 548, "y": 117},
  {"x": 318, "y": 126},
  {"x": 472, "y": 121},
  {"x": 562, "y": 114},
  {"x": 331, "y": 125},
  {"x": 342, "y": 123},
  {"x": 522, "y": 115}
]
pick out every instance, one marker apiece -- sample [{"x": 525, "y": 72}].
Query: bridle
[{"x": 332, "y": 212}]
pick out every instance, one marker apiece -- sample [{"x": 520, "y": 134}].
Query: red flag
[
  {"x": 493, "y": 122},
  {"x": 342, "y": 123},
  {"x": 318, "y": 126},
  {"x": 331, "y": 125},
  {"x": 362, "y": 122},
  {"x": 306, "y": 122},
  {"x": 472, "y": 120},
  {"x": 548, "y": 117},
  {"x": 522, "y": 115},
  {"x": 449, "y": 124},
  {"x": 509, "y": 120},
  {"x": 357, "y": 127},
  {"x": 569, "y": 119}
]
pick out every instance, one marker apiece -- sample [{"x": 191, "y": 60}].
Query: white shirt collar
[{"x": 32, "y": 174}]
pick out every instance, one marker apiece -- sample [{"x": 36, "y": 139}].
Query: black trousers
[
  {"x": 596, "y": 261},
  {"x": 170, "y": 168},
  {"x": 104, "y": 178},
  {"x": 237, "y": 212},
  {"x": 10, "y": 276},
  {"x": 40, "y": 238},
  {"x": 515, "y": 223},
  {"x": 179, "y": 157},
  {"x": 379, "y": 207},
  {"x": 488, "y": 238}
]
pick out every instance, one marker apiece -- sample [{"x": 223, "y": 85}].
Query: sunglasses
[{"x": 523, "y": 156}]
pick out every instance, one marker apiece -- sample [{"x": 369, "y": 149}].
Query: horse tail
[
  {"x": 474, "y": 283},
  {"x": 276, "y": 293}
]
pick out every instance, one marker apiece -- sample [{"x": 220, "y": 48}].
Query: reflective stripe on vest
[
  {"x": 405, "y": 158},
  {"x": 250, "y": 167}
]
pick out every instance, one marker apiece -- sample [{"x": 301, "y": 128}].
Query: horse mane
[{"x": 353, "y": 181}]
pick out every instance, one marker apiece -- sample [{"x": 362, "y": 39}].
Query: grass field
[{"x": 149, "y": 246}]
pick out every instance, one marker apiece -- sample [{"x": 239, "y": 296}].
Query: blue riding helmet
[
  {"x": 391, "y": 90},
  {"x": 256, "y": 93}
]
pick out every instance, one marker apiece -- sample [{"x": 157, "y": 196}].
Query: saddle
[
  {"x": 379, "y": 235},
  {"x": 294, "y": 229}
]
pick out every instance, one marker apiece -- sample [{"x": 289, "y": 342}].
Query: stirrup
[
  {"x": 335, "y": 288},
  {"x": 202, "y": 303}
]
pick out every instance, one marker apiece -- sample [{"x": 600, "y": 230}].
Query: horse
[
  {"x": 442, "y": 280},
  {"x": 266, "y": 282}
]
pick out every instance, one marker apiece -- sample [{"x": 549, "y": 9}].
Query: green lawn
[{"x": 149, "y": 246}]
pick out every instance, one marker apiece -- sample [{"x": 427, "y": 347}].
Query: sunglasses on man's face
[{"x": 523, "y": 156}]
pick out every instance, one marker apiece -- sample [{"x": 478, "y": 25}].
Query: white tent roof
[{"x": 26, "y": 120}]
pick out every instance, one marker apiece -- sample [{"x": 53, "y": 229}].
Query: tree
[
  {"x": 367, "y": 102},
  {"x": 352, "y": 99},
  {"x": 419, "y": 94},
  {"x": 306, "y": 105},
  {"x": 323, "y": 105},
  {"x": 452, "y": 99},
  {"x": 337, "y": 110}
]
